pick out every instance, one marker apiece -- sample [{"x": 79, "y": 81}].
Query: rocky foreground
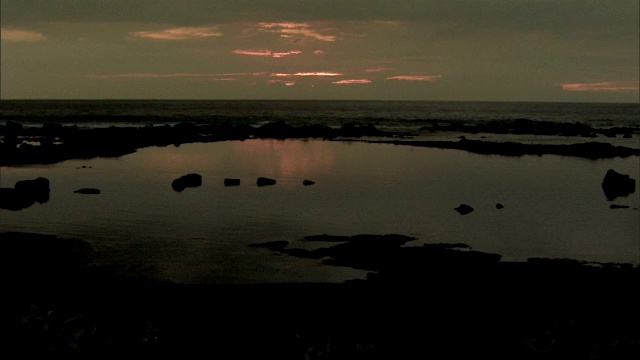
[{"x": 434, "y": 301}]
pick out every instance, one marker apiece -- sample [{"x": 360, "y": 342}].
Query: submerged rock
[
  {"x": 464, "y": 209},
  {"x": 617, "y": 185},
  {"x": 90, "y": 191},
  {"x": 189, "y": 180}
]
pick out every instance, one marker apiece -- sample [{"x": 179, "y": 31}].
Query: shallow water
[{"x": 554, "y": 206}]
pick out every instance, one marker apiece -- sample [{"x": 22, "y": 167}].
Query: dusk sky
[{"x": 496, "y": 50}]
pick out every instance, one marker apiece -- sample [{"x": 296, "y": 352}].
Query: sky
[{"x": 459, "y": 50}]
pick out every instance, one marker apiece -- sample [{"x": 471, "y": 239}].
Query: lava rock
[
  {"x": 617, "y": 185},
  {"x": 464, "y": 209},
  {"x": 263, "y": 181},
  {"x": 189, "y": 180},
  {"x": 231, "y": 182}
]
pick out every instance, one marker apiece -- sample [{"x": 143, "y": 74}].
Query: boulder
[
  {"x": 464, "y": 209},
  {"x": 24, "y": 194},
  {"x": 89, "y": 191},
  {"x": 263, "y": 181},
  {"x": 231, "y": 182},
  {"x": 617, "y": 185},
  {"x": 189, "y": 180}
]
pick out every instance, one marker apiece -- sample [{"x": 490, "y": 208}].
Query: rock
[
  {"x": 308, "y": 182},
  {"x": 263, "y": 181},
  {"x": 189, "y": 180},
  {"x": 464, "y": 209},
  {"x": 231, "y": 182},
  {"x": 24, "y": 194},
  {"x": 90, "y": 191},
  {"x": 499, "y": 206},
  {"x": 617, "y": 185},
  {"x": 615, "y": 206}
]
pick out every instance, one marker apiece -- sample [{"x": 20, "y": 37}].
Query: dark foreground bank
[{"x": 445, "y": 302}]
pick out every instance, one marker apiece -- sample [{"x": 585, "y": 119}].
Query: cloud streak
[
  {"x": 352, "y": 82},
  {"x": 316, "y": 73},
  {"x": 267, "y": 53},
  {"x": 21, "y": 35},
  {"x": 294, "y": 29},
  {"x": 427, "y": 78},
  {"x": 179, "y": 33},
  {"x": 601, "y": 86}
]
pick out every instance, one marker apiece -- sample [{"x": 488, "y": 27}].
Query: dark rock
[
  {"x": 272, "y": 245},
  {"x": 88, "y": 191},
  {"x": 189, "y": 180},
  {"x": 464, "y": 209},
  {"x": 24, "y": 194},
  {"x": 263, "y": 181},
  {"x": 13, "y": 126},
  {"x": 308, "y": 182},
  {"x": 499, "y": 206},
  {"x": 231, "y": 182},
  {"x": 615, "y": 206},
  {"x": 617, "y": 185},
  {"x": 38, "y": 189}
]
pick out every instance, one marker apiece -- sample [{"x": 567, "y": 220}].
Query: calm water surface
[{"x": 554, "y": 206}]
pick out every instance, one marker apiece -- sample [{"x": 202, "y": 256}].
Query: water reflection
[{"x": 553, "y": 206}]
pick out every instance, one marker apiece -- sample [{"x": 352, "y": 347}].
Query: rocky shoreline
[
  {"x": 53, "y": 142},
  {"x": 440, "y": 300}
]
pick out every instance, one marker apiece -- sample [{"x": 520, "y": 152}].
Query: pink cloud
[
  {"x": 267, "y": 53},
  {"x": 428, "y": 78},
  {"x": 318, "y": 52},
  {"x": 316, "y": 73},
  {"x": 180, "y": 33},
  {"x": 601, "y": 86},
  {"x": 21, "y": 35},
  {"x": 293, "y": 29},
  {"x": 352, "y": 81},
  {"x": 286, "y": 83}
]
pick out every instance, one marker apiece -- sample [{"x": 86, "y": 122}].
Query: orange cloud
[
  {"x": 352, "y": 81},
  {"x": 21, "y": 35},
  {"x": 601, "y": 86},
  {"x": 267, "y": 53},
  {"x": 286, "y": 83},
  {"x": 292, "y": 29},
  {"x": 429, "y": 78},
  {"x": 180, "y": 33},
  {"x": 317, "y": 73}
]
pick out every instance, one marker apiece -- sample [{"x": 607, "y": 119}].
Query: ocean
[{"x": 554, "y": 206}]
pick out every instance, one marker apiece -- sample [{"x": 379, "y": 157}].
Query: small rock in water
[
  {"x": 615, "y": 206},
  {"x": 87, "y": 191},
  {"x": 262, "y": 181},
  {"x": 189, "y": 180},
  {"x": 231, "y": 182},
  {"x": 464, "y": 209},
  {"x": 308, "y": 182},
  {"x": 499, "y": 206}
]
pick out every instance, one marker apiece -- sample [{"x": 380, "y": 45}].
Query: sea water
[{"x": 554, "y": 206}]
